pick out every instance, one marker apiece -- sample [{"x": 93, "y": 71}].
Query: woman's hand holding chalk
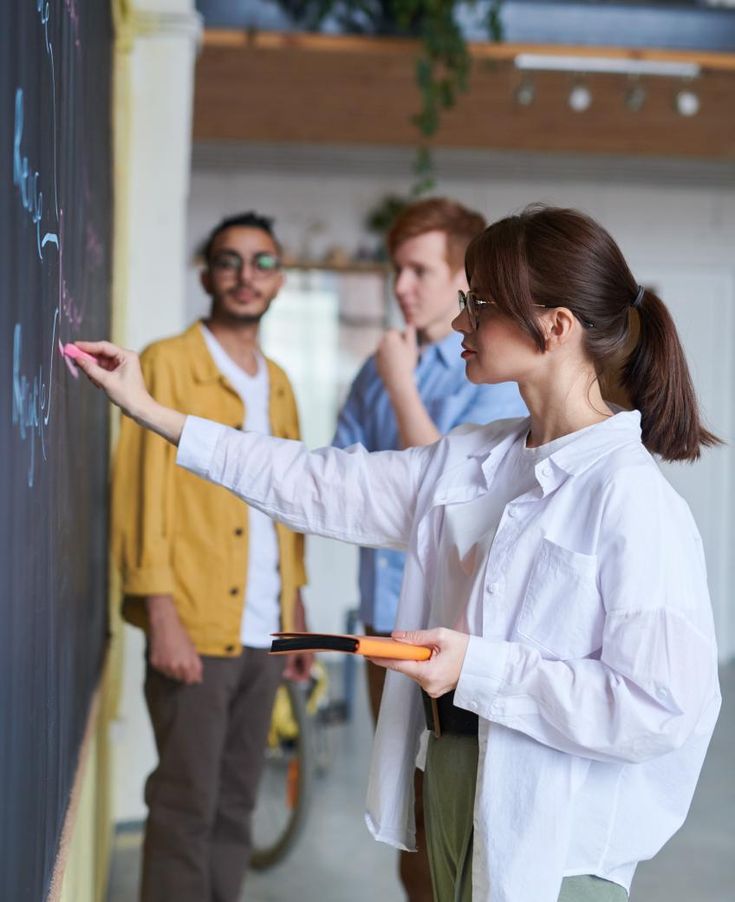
[
  {"x": 75, "y": 353},
  {"x": 117, "y": 372}
]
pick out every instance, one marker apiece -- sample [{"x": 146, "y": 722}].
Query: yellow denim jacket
[{"x": 175, "y": 534}]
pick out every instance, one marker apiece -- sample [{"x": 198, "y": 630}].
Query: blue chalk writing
[
  {"x": 27, "y": 180},
  {"x": 32, "y": 399}
]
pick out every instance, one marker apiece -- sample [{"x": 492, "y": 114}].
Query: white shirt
[
  {"x": 595, "y": 676},
  {"x": 469, "y": 530},
  {"x": 261, "y": 614}
]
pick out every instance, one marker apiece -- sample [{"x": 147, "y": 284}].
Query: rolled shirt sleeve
[{"x": 655, "y": 682}]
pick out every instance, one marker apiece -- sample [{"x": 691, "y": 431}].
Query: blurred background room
[
  {"x": 328, "y": 115},
  {"x": 324, "y": 115}
]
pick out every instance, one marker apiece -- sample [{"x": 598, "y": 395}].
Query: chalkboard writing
[{"x": 55, "y": 202}]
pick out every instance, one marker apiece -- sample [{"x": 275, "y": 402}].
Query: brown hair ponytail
[
  {"x": 656, "y": 379},
  {"x": 552, "y": 257}
]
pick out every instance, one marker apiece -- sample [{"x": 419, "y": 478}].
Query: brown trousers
[
  {"x": 211, "y": 740},
  {"x": 414, "y": 866}
]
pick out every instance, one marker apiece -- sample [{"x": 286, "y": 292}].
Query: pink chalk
[{"x": 71, "y": 350}]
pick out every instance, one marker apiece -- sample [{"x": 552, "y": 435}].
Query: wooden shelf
[{"x": 351, "y": 266}]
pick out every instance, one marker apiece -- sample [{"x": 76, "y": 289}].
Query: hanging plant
[{"x": 443, "y": 64}]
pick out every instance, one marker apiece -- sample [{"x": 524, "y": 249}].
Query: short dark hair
[{"x": 249, "y": 220}]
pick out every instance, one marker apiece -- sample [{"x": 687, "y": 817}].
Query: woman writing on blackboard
[{"x": 556, "y": 575}]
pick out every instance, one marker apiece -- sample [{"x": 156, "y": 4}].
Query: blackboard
[{"x": 55, "y": 211}]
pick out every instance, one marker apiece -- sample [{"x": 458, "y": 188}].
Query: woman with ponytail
[{"x": 559, "y": 580}]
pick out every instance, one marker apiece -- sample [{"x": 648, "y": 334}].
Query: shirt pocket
[{"x": 562, "y": 612}]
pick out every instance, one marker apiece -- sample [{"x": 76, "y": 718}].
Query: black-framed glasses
[
  {"x": 263, "y": 263},
  {"x": 473, "y": 303}
]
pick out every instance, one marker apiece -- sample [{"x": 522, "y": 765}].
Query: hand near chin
[
  {"x": 441, "y": 672},
  {"x": 397, "y": 356}
]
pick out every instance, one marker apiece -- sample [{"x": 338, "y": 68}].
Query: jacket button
[
  {"x": 237, "y": 425},
  {"x": 234, "y": 590},
  {"x": 238, "y": 531},
  {"x": 229, "y": 647}
]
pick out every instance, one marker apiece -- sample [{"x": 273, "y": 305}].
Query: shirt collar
[
  {"x": 447, "y": 349},
  {"x": 621, "y": 429},
  {"x": 624, "y": 428}
]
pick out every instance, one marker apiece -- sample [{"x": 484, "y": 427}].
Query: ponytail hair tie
[{"x": 636, "y": 302}]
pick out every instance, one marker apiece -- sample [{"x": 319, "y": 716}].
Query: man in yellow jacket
[{"x": 208, "y": 579}]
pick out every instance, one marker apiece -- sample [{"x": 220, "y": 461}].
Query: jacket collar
[{"x": 203, "y": 367}]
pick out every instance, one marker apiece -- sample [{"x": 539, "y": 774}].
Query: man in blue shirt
[{"x": 411, "y": 392}]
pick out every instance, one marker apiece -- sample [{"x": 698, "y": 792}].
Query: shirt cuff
[
  {"x": 483, "y": 674},
  {"x": 197, "y": 445}
]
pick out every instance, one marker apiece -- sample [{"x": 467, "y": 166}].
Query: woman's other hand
[{"x": 440, "y": 673}]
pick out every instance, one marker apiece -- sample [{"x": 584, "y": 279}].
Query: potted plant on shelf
[{"x": 443, "y": 61}]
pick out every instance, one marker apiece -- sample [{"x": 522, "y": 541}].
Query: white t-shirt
[
  {"x": 469, "y": 530},
  {"x": 262, "y": 611}
]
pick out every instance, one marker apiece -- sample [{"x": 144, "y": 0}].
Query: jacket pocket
[{"x": 562, "y": 612}]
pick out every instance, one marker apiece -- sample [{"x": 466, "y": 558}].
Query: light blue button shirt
[{"x": 367, "y": 418}]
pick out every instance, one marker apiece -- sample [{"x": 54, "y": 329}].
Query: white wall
[{"x": 675, "y": 222}]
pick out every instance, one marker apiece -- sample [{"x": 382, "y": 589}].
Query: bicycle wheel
[{"x": 284, "y": 794}]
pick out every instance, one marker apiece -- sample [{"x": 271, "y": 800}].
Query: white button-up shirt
[{"x": 595, "y": 676}]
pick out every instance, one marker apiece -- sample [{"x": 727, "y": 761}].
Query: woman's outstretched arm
[
  {"x": 351, "y": 495},
  {"x": 117, "y": 372}
]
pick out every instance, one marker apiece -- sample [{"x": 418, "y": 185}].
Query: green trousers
[{"x": 449, "y": 798}]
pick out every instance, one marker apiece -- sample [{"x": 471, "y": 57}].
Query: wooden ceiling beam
[
  {"x": 354, "y": 90},
  {"x": 328, "y": 43}
]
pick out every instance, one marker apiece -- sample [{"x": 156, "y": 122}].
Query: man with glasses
[
  {"x": 412, "y": 391},
  {"x": 208, "y": 579}
]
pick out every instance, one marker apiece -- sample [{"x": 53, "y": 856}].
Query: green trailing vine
[{"x": 444, "y": 62}]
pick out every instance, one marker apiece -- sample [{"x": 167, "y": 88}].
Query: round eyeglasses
[{"x": 262, "y": 264}]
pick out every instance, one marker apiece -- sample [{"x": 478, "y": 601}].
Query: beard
[
  {"x": 242, "y": 319},
  {"x": 223, "y": 313}
]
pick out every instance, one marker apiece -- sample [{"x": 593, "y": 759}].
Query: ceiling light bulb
[
  {"x": 525, "y": 93},
  {"x": 580, "y": 98},
  {"x": 635, "y": 97},
  {"x": 687, "y": 102}
]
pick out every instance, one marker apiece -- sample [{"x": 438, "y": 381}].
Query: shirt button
[
  {"x": 512, "y": 512},
  {"x": 382, "y": 563},
  {"x": 234, "y": 590},
  {"x": 238, "y": 531},
  {"x": 493, "y": 588},
  {"x": 546, "y": 471}
]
